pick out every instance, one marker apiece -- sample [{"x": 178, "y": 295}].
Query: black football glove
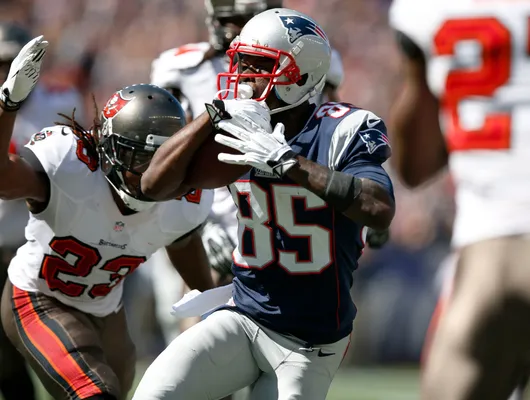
[{"x": 377, "y": 239}]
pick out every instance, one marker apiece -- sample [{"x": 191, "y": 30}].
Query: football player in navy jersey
[{"x": 316, "y": 182}]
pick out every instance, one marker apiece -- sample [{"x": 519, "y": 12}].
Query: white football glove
[
  {"x": 246, "y": 113},
  {"x": 263, "y": 150},
  {"x": 23, "y": 74}
]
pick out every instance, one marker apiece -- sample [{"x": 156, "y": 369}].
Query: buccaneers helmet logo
[{"x": 114, "y": 105}]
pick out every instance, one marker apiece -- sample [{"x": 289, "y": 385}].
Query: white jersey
[
  {"x": 81, "y": 247},
  {"x": 40, "y": 109},
  {"x": 478, "y": 65}
]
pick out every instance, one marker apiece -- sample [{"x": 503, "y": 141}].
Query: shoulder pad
[
  {"x": 361, "y": 132},
  {"x": 56, "y": 144},
  {"x": 166, "y": 69},
  {"x": 59, "y": 133},
  {"x": 52, "y": 146},
  {"x": 184, "y": 57}
]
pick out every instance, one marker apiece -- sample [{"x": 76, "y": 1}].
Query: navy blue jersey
[{"x": 296, "y": 256}]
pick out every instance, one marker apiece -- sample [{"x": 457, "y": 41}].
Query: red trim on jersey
[{"x": 12, "y": 147}]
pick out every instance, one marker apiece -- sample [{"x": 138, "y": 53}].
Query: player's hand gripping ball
[{"x": 205, "y": 170}]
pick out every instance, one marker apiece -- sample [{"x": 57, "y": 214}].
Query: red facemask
[{"x": 229, "y": 81}]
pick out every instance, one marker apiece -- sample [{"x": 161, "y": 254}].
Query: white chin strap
[
  {"x": 312, "y": 93},
  {"x": 131, "y": 202},
  {"x": 135, "y": 204}
]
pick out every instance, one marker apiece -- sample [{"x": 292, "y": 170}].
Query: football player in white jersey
[
  {"x": 90, "y": 226},
  {"x": 305, "y": 192},
  {"x": 466, "y": 104}
]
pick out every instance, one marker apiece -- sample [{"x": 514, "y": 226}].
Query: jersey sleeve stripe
[
  {"x": 344, "y": 134},
  {"x": 55, "y": 356}
]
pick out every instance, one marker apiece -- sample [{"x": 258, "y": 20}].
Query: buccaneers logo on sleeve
[{"x": 115, "y": 104}]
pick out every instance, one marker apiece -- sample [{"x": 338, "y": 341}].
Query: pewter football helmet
[
  {"x": 134, "y": 123},
  {"x": 299, "y": 47}
]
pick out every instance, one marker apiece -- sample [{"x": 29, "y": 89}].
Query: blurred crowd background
[{"x": 98, "y": 46}]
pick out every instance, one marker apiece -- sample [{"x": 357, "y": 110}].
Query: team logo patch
[
  {"x": 298, "y": 26},
  {"x": 118, "y": 226},
  {"x": 373, "y": 137},
  {"x": 37, "y": 137},
  {"x": 258, "y": 173},
  {"x": 115, "y": 105}
]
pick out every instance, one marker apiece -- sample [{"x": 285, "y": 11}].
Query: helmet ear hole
[{"x": 303, "y": 79}]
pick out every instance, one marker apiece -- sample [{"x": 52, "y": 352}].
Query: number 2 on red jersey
[{"x": 461, "y": 84}]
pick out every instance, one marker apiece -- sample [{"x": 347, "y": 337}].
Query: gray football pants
[{"x": 228, "y": 351}]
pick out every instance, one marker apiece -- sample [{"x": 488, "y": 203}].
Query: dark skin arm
[
  {"x": 373, "y": 208},
  {"x": 163, "y": 180},
  {"x": 418, "y": 145},
  {"x": 19, "y": 179},
  {"x": 190, "y": 260}
]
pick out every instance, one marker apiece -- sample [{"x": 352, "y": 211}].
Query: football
[{"x": 207, "y": 172}]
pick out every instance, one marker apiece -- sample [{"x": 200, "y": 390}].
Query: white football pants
[{"x": 228, "y": 351}]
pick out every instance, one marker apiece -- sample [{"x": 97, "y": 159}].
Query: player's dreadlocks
[{"x": 89, "y": 137}]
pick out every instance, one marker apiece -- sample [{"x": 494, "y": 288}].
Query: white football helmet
[{"x": 296, "y": 42}]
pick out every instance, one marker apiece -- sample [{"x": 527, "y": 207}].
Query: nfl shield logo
[{"x": 118, "y": 226}]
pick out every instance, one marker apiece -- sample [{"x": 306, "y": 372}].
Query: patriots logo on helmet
[
  {"x": 114, "y": 105},
  {"x": 373, "y": 137},
  {"x": 298, "y": 26}
]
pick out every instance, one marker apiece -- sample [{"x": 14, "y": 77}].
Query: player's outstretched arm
[
  {"x": 19, "y": 179},
  {"x": 360, "y": 199},
  {"x": 163, "y": 180},
  {"x": 418, "y": 145},
  {"x": 190, "y": 260}
]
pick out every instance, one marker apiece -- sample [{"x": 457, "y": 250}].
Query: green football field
[
  {"x": 361, "y": 384},
  {"x": 354, "y": 384}
]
